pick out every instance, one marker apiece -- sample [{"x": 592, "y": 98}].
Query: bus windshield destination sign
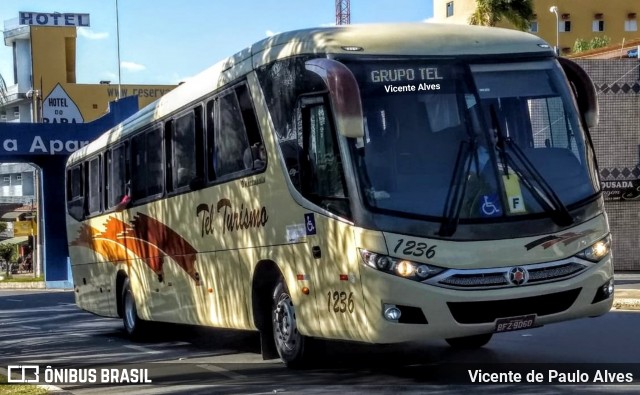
[{"x": 407, "y": 79}]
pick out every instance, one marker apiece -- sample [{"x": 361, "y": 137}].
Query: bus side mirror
[
  {"x": 583, "y": 90},
  {"x": 344, "y": 95}
]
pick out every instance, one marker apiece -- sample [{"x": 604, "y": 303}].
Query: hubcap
[{"x": 285, "y": 323}]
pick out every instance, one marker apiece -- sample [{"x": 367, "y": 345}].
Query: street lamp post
[
  {"x": 554, "y": 10},
  {"x": 118, "y": 49}
]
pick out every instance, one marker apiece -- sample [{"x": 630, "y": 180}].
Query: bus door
[{"x": 329, "y": 234}]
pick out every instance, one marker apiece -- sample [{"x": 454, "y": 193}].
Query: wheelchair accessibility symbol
[
  {"x": 489, "y": 207},
  {"x": 310, "y": 224}
]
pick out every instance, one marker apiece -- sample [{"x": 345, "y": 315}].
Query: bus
[{"x": 374, "y": 183}]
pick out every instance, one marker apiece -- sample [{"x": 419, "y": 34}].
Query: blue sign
[
  {"x": 310, "y": 224},
  {"x": 490, "y": 206}
]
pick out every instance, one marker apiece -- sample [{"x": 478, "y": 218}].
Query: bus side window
[
  {"x": 75, "y": 196},
  {"x": 182, "y": 154},
  {"x": 147, "y": 164},
  {"x": 323, "y": 174},
  {"x": 94, "y": 189},
  {"x": 210, "y": 131},
  {"x": 254, "y": 157},
  {"x": 106, "y": 177},
  {"x": 230, "y": 136},
  {"x": 118, "y": 175}
]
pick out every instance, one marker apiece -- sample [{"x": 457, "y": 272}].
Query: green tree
[
  {"x": 490, "y": 12},
  {"x": 7, "y": 252}
]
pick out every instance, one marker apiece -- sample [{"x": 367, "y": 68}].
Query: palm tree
[{"x": 489, "y": 12}]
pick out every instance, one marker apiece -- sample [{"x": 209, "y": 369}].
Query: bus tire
[
  {"x": 469, "y": 342},
  {"x": 289, "y": 342},
  {"x": 133, "y": 325}
]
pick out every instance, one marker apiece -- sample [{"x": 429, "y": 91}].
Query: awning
[
  {"x": 12, "y": 215},
  {"x": 15, "y": 240}
]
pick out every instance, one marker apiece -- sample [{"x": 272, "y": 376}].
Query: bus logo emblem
[{"x": 518, "y": 275}]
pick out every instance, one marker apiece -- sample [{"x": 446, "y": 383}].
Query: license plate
[{"x": 515, "y": 323}]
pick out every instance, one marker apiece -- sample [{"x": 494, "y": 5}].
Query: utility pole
[{"x": 343, "y": 12}]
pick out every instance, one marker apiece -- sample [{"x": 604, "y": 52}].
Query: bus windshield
[{"x": 445, "y": 139}]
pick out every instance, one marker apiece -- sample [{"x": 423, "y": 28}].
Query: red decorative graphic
[{"x": 146, "y": 238}]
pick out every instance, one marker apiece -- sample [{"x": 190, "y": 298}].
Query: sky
[{"x": 166, "y": 42}]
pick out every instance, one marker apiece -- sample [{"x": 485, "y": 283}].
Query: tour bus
[{"x": 373, "y": 183}]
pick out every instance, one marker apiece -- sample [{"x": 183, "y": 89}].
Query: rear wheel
[
  {"x": 289, "y": 342},
  {"x": 470, "y": 342},
  {"x": 133, "y": 325}
]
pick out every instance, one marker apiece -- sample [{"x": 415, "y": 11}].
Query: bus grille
[
  {"x": 498, "y": 277},
  {"x": 489, "y": 311}
]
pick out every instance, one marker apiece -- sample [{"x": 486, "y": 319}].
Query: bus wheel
[
  {"x": 133, "y": 325},
  {"x": 470, "y": 342},
  {"x": 289, "y": 342}
]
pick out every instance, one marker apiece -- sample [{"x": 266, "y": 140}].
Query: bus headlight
[
  {"x": 399, "y": 267},
  {"x": 597, "y": 251}
]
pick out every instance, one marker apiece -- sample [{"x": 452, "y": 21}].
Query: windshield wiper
[
  {"x": 457, "y": 188},
  {"x": 545, "y": 195}
]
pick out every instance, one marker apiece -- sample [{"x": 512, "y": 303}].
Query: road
[{"x": 45, "y": 328}]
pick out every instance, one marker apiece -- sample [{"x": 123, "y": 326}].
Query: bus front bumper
[{"x": 433, "y": 312}]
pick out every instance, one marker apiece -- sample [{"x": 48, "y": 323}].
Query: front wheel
[
  {"x": 133, "y": 325},
  {"x": 289, "y": 342},
  {"x": 470, "y": 342}
]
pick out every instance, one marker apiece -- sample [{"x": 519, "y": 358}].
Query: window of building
[
  {"x": 19, "y": 177},
  {"x": 598, "y": 26},
  {"x": 6, "y": 180},
  {"x": 631, "y": 25},
  {"x": 565, "y": 26},
  {"x": 449, "y": 9},
  {"x": 533, "y": 27}
]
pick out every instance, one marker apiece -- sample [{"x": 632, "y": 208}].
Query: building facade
[
  {"x": 571, "y": 20},
  {"x": 43, "y": 89}
]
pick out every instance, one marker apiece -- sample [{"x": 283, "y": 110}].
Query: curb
[
  {"x": 626, "y": 304},
  {"x": 23, "y": 285},
  {"x": 626, "y": 299}
]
